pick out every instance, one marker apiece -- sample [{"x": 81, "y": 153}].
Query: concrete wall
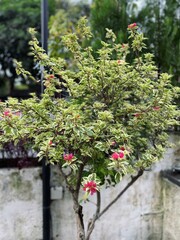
[
  {"x": 149, "y": 210},
  {"x": 20, "y": 204},
  {"x": 171, "y": 220}
]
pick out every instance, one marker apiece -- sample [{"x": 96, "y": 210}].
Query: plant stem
[
  {"x": 133, "y": 180},
  {"x": 98, "y": 214},
  {"x": 91, "y": 223},
  {"x": 79, "y": 218}
]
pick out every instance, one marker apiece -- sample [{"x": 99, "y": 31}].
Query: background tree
[
  {"x": 115, "y": 15},
  {"x": 160, "y": 21},
  {"x": 15, "y": 19},
  {"x": 64, "y": 21}
]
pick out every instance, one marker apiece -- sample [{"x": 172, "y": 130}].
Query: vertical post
[
  {"x": 44, "y": 24},
  {"x": 158, "y": 35},
  {"x": 46, "y": 201},
  {"x": 44, "y": 32},
  {"x": 45, "y": 167}
]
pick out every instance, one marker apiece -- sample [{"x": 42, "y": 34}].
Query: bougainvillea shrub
[{"x": 113, "y": 121}]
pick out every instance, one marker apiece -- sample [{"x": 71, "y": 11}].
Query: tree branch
[
  {"x": 80, "y": 173},
  {"x": 92, "y": 221},
  {"x": 65, "y": 179},
  {"x": 133, "y": 179},
  {"x": 79, "y": 177}
]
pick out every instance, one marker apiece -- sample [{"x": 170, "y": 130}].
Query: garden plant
[{"x": 112, "y": 122}]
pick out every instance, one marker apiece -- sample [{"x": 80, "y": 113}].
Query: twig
[
  {"x": 133, "y": 179},
  {"x": 66, "y": 179},
  {"x": 79, "y": 177}
]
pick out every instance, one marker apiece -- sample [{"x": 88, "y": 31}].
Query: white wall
[
  {"x": 20, "y": 204},
  {"x": 171, "y": 220}
]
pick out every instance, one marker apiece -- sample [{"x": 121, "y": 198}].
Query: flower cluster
[
  {"x": 118, "y": 155},
  {"x": 137, "y": 114},
  {"x": 51, "y": 76},
  {"x": 120, "y": 62},
  {"x": 156, "y": 108},
  {"x": 132, "y": 25},
  {"x": 48, "y": 80},
  {"x": 122, "y": 148},
  {"x": 90, "y": 187},
  {"x": 7, "y": 113},
  {"x": 68, "y": 157},
  {"x": 140, "y": 114}
]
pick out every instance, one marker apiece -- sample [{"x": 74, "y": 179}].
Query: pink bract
[
  {"x": 90, "y": 187},
  {"x": 7, "y": 113},
  {"x": 156, "y": 108},
  {"x": 68, "y": 157},
  {"x": 133, "y": 25},
  {"x": 121, "y": 155},
  {"x": 122, "y": 148},
  {"x": 115, "y": 156}
]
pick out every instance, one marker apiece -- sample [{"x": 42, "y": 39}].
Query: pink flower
[
  {"x": 115, "y": 156},
  {"x": 137, "y": 114},
  {"x": 18, "y": 113},
  {"x": 90, "y": 187},
  {"x": 50, "y": 142},
  {"x": 7, "y": 113},
  {"x": 132, "y": 25},
  {"x": 122, "y": 148},
  {"x": 120, "y": 62},
  {"x": 121, "y": 154},
  {"x": 156, "y": 108},
  {"x": 68, "y": 157},
  {"x": 51, "y": 76},
  {"x": 113, "y": 143}
]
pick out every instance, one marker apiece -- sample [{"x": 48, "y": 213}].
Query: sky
[
  {"x": 139, "y": 2},
  {"x": 89, "y": 1}
]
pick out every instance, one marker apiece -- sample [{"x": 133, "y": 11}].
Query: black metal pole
[
  {"x": 45, "y": 167},
  {"x": 44, "y": 30},
  {"x": 46, "y": 201}
]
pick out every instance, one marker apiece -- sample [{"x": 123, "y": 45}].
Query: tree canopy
[{"x": 112, "y": 123}]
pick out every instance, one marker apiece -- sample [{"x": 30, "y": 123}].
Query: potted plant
[{"x": 113, "y": 121}]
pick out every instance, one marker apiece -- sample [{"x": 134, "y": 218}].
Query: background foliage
[{"x": 15, "y": 19}]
